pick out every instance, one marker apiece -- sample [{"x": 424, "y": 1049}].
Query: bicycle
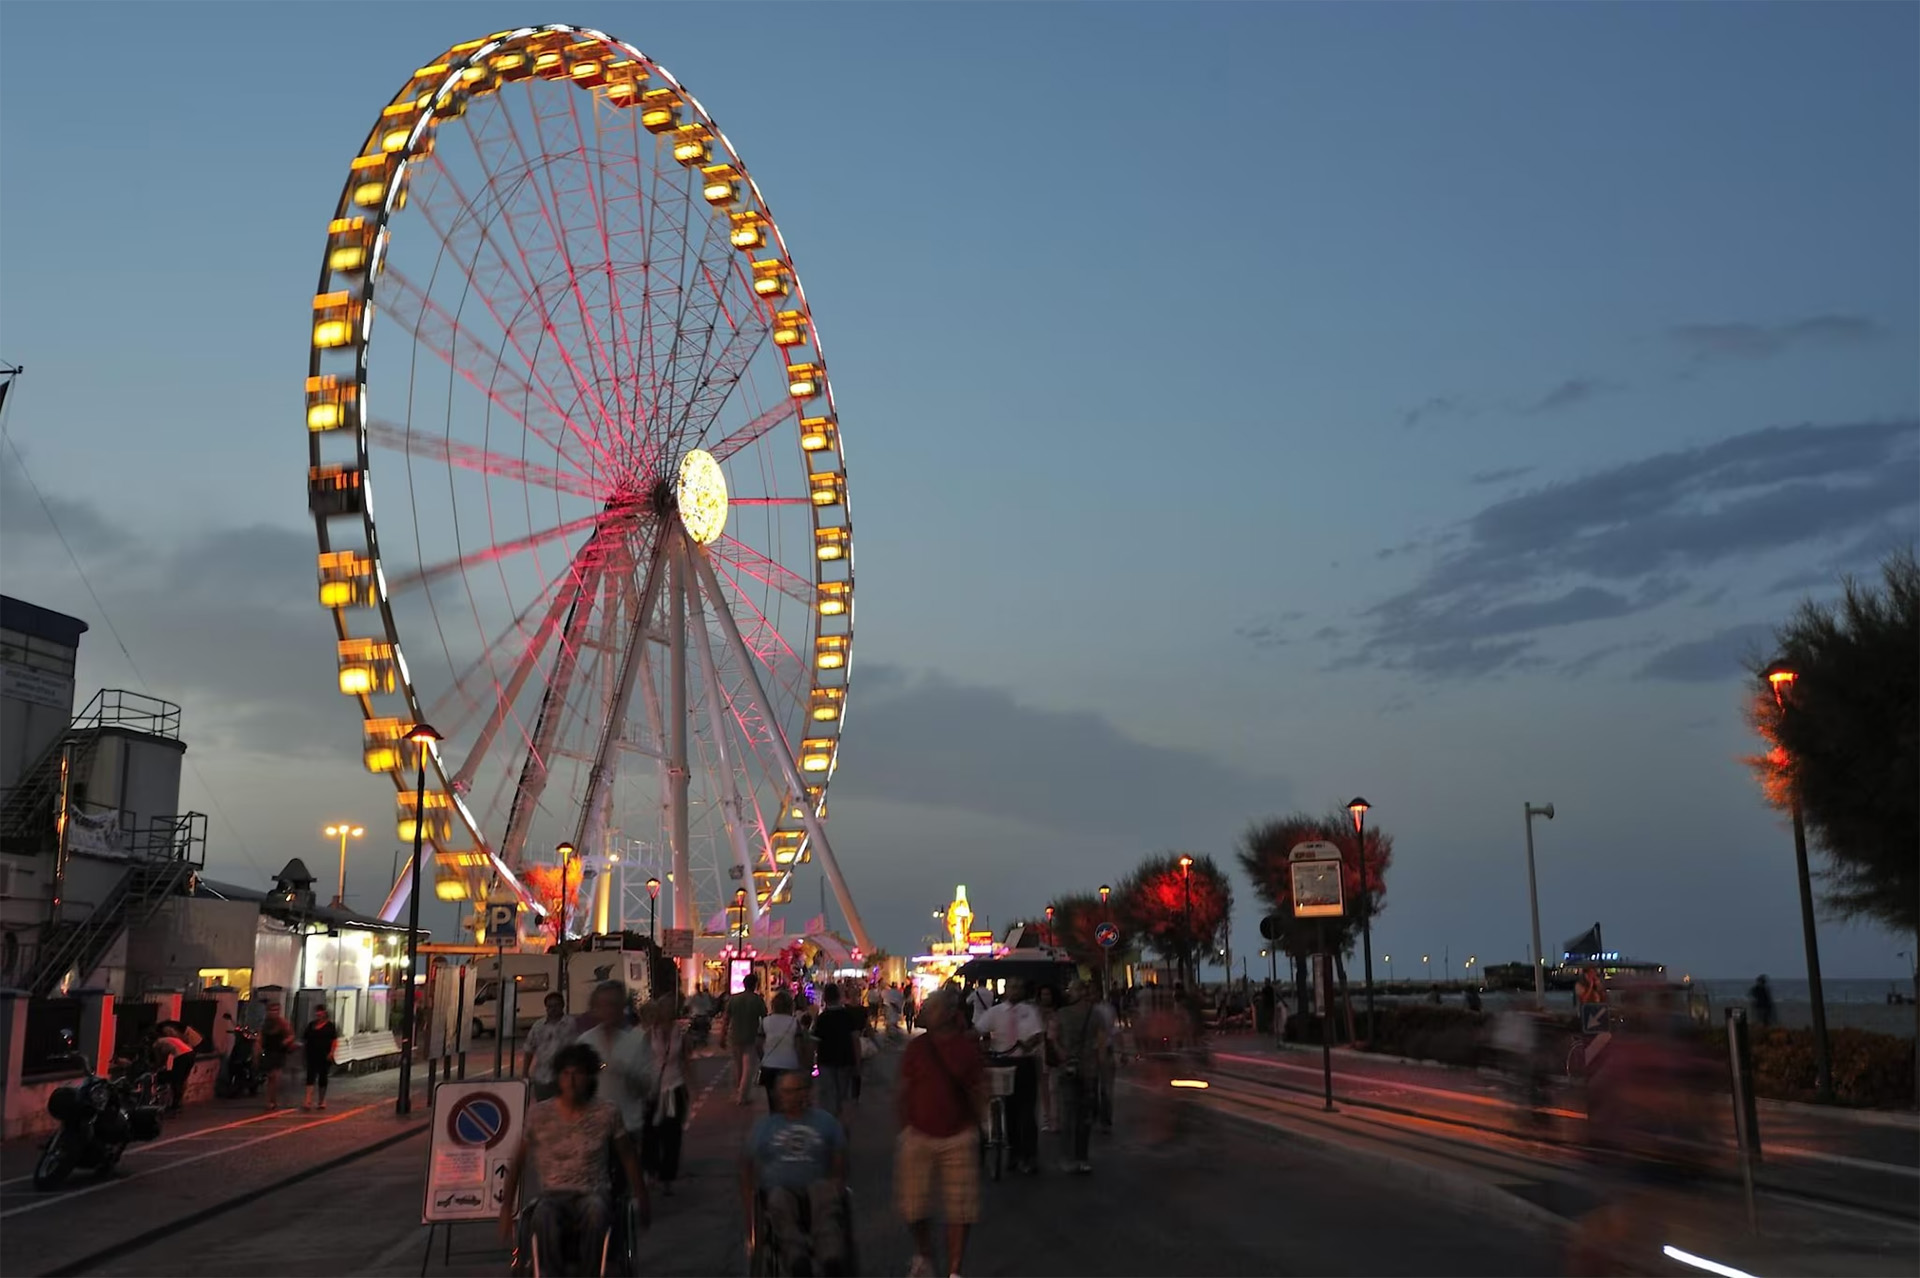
[{"x": 993, "y": 1147}]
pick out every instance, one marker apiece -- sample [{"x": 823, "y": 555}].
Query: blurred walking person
[
  {"x": 320, "y": 1040},
  {"x": 745, "y": 1012},
  {"x": 942, "y": 1102}
]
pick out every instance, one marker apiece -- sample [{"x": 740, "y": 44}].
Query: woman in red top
[{"x": 942, "y": 1097}]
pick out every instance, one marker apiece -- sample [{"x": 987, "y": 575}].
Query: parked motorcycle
[
  {"x": 98, "y": 1120},
  {"x": 240, "y": 1075}
]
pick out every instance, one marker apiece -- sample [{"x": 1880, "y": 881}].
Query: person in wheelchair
[
  {"x": 568, "y": 1141},
  {"x": 793, "y": 1177}
]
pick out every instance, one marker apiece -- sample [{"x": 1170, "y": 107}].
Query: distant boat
[{"x": 1588, "y": 950}]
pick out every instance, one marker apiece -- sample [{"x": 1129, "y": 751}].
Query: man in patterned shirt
[{"x": 568, "y": 1140}]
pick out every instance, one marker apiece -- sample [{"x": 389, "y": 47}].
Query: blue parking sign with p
[{"x": 500, "y": 921}]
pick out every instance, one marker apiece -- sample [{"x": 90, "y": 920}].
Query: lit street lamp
[
  {"x": 1186, "y": 927},
  {"x": 423, "y": 738},
  {"x": 345, "y": 832},
  {"x": 1106, "y": 951},
  {"x": 653, "y": 902},
  {"x": 1780, "y": 678},
  {"x": 1049, "y": 927},
  {"x": 1358, "y": 807},
  {"x": 560, "y": 922},
  {"x": 1388, "y": 960},
  {"x": 740, "y": 924},
  {"x": 1533, "y": 900},
  {"x": 1428, "y": 960}
]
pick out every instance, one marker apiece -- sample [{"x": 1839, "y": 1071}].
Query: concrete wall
[{"x": 189, "y": 933}]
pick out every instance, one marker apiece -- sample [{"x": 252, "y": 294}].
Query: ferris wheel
[{"x": 559, "y": 330}]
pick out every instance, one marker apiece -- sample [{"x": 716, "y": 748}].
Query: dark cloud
[
  {"x": 1499, "y": 476},
  {"x": 1263, "y": 635},
  {"x": 1569, "y": 394},
  {"x": 1708, "y": 660},
  {"x": 1705, "y": 342},
  {"x": 1620, "y": 541},
  {"x": 1435, "y": 408},
  {"x": 23, "y": 517},
  {"x": 936, "y": 743}
]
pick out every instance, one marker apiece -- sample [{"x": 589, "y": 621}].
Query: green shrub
[{"x": 1869, "y": 1069}]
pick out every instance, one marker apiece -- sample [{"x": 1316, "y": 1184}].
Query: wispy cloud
[
  {"x": 1434, "y": 408},
  {"x": 1570, "y": 393},
  {"x": 1500, "y": 475},
  {"x": 1709, "y": 342},
  {"x": 1707, "y": 660},
  {"x": 1621, "y": 541}
]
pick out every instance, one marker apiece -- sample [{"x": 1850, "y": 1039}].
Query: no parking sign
[{"x": 476, "y": 1132}]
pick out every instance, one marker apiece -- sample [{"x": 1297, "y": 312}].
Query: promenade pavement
[{"x": 1176, "y": 1191}]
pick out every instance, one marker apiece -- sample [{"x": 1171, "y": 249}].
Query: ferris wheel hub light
[{"x": 702, "y": 496}]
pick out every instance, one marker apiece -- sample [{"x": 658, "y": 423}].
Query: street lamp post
[
  {"x": 1049, "y": 927},
  {"x": 1106, "y": 951},
  {"x": 1780, "y": 678},
  {"x": 422, "y": 738},
  {"x": 1388, "y": 960},
  {"x": 1428, "y": 960},
  {"x": 739, "y": 927},
  {"x": 345, "y": 831},
  {"x": 653, "y": 902},
  {"x": 1186, "y": 925},
  {"x": 560, "y": 920},
  {"x": 1359, "y": 808},
  {"x": 1533, "y": 901}
]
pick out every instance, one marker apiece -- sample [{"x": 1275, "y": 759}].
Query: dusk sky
[{"x": 1247, "y": 406}]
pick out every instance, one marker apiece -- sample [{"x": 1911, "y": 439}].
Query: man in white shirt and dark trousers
[{"x": 1014, "y": 1029}]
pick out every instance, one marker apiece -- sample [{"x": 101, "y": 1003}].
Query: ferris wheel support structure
[
  {"x": 684, "y": 911},
  {"x": 600, "y": 777},
  {"x": 732, "y": 814},
  {"x": 816, "y": 832}
]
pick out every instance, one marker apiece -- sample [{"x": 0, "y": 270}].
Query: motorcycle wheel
[
  {"x": 54, "y": 1166},
  {"x": 109, "y": 1159}
]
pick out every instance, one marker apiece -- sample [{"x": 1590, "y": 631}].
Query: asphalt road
[{"x": 1174, "y": 1192}]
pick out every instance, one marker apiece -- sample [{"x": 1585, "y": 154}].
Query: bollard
[
  {"x": 1323, "y": 1005},
  {"x": 1746, "y": 1112}
]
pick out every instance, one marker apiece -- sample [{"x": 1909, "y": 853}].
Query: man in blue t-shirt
[{"x": 795, "y": 1161}]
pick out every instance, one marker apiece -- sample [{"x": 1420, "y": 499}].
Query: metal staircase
[
  {"x": 30, "y": 810},
  {"x": 174, "y": 848}
]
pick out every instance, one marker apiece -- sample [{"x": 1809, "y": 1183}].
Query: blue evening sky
[{"x": 1246, "y": 405}]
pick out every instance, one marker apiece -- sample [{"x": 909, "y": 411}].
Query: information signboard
[
  {"x": 677, "y": 942},
  {"x": 1317, "y": 890},
  {"x": 503, "y": 919},
  {"x": 477, "y": 1130}
]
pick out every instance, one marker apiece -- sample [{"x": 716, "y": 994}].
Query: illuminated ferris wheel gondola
[{"x": 558, "y": 330}]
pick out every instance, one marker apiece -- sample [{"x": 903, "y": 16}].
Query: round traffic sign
[
  {"x": 480, "y": 1119},
  {"x": 1108, "y": 935}
]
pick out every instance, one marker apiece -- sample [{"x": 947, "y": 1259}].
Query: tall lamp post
[
  {"x": 1049, "y": 927},
  {"x": 1359, "y": 807},
  {"x": 653, "y": 903},
  {"x": 1388, "y": 960},
  {"x": 565, "y": 851},
  {"x": 1780, "y": 677},
  {"x": 344, "y": 831},
  {"x": 422, "y": 738},
  {"x": 1533, "y": 901},
  {"x": 1106, "y": 951},
  {"x": 1186, "y": 925},
  {"x": 739, "y": 928}
]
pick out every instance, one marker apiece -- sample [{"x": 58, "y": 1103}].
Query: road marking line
[
  {"x": 1349, "y": 1081},
  {"x": 51, "y": 1199},
  {"x": 1701, "y": 1262},
  {"x": 1843, "y": 1160},
  {"x": 169, "y": 1140}
]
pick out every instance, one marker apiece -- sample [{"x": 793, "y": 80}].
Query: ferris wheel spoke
[
  {"x": 754, "y": 430},
  {"x": 582, "y": 576},
  {"x": 516, "y": 271},
  {"x": 426, "y": 575},
  {"x": 768, "y": 572},
  {"x": 600, "y": 371},
  {"x": 469, "y": 457},
  {"x": 764, "y": 640},
  {"x": 442, "y": 334}
]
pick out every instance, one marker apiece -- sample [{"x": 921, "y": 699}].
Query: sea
[{"x": 1852, "y": 1002}]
